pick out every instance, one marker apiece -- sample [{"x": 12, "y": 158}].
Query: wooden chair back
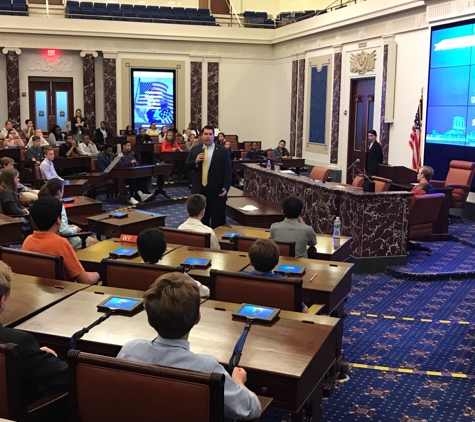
[
  {"x": 33, "y": 263},
  {"x": 132, "y": 275},
  {"x": 131, "y": 139},
  {"x": 247, "y": 145},
  {"x": 423, "y": 213},
  {"x": 319, "y": 173},
  {"x": 358, "y": 181},
  {"x": 187, "y": 238},
  {"x": 94, "y": 164},
  {"x": 11, "y": 405},
  {"x": 244, "y": 243},
  {"x": 276, "y": 292},
  {"x": 381, "y": 184},
  {"x": 108, "y": 389},
  {"x": 232, "y": 138}
]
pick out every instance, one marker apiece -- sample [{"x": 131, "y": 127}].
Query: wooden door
[
  {"x": 361, "y": 120},
  {"x": 51, "y": 102},
  {"x": 219, "y": 7}
]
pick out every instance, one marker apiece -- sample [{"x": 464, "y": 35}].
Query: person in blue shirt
[
  {"x": 106, "y": 157},
  {"x": 172, "y": 304},
  {"x": 264, "y": 255},
  {"x": 281, "y": 151}
]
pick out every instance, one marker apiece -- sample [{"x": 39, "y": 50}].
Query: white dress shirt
[
  {"x": 89, "y": 149},
  {"x": 47, "y": 170},
  {"x": 195, "y": 225}
]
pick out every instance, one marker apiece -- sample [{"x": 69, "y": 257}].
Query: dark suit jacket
[
  {"x": 219, "y": 174},
  {"x": 374, "y": 156},
  {"x": 40, "y": 372},
  {"x": 99, "y": 137}
]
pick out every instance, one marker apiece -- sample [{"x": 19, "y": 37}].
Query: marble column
[
  {"x": 293, "y": 106},
  {"x": 13, "y": 85},
  {"x": 384, "y": 127},
  {"x": 89, "y": 78},
  {"x": 196, "y": 93},
  {"x": 110, "y": 93},
  {"x": 335, "y": 130},
  {"x": 300, "y": 108},
  {"x": 213, "y": 92}
]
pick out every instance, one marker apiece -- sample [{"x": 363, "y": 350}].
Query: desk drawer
[{"x": 284, "y": 393}]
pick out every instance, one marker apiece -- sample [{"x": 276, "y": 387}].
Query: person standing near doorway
[{"x": 374, "y": 154}]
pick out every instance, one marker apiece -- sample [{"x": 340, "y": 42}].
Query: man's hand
[
  {"x": 223, "y": 192},
  {"x": 48, "y": 350},
  {"x": 134, "y": 161},
  {"x": 78, "y": 229},
  {"x": 239, "y": 375},
  {"x": 200, "y": 157}
]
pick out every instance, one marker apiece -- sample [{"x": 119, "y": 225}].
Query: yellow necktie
[{"x": 204, "y": 169}]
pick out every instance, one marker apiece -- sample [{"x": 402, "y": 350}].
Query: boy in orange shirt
[{"x": 46, "y": 213}]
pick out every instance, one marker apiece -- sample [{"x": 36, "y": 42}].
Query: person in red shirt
[{"x": 169, "y": 144}]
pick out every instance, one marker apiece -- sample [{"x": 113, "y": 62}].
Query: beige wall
[{"x": 124, "y": 88}]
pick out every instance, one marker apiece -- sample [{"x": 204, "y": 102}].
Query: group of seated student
[
  {"x": 55, "y": 188},
  {"x": 47, "y": 167},
  {"x": 195, "y": 207},
  {"x": 293, "y": 229},
  {"x": 264, "y": 256},
  {"x": 281, "y": 151},
  {"x": 13, "y": 139},
  {"x": 152, "y": 244},
  {"x": 172, "y": 304},
  {"x": 46, "y": 213},
  {"x": 137, "y": 187},
  {"x": 24, "y": 192},
  {"x": 41, "y": 371}
]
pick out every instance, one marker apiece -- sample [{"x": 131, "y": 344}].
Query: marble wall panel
[
  {"x": 196, "y": 93},
  {"x": 293, "y": 106},
  {"x": 300, "y": 108},
  {"x": 89, "y": 91},
  {"x": 110, "y": 95},
  {"x": 335, "y": 108},
  {"x": 13, "y": 89},
  {"x": 378, "y": 222},
  {"x": 213, "y": 92},
  {"x": 384, "y": 127}
]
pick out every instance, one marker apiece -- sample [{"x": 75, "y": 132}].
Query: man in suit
[
  {"x": 212, "y": 172},
  {"x": 41, "y": 371},
  {"x": 374, "y": 154}
]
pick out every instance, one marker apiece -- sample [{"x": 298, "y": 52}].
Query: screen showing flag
[{"x": 153, "y": 94}]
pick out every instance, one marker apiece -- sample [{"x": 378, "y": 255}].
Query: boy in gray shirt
[{"x": 293, "y": 229}]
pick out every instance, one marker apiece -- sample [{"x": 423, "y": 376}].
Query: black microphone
[{"x": 357, "y": 161}]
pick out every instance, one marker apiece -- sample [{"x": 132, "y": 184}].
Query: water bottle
[
  {"x": 336, "y": 228},
  {"x": 269, "y": 165}
]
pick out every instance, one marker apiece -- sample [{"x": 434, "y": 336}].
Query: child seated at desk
[
  {"x": 26, "y": 195},
  {"x": 195, "y": 207},
  {"x": 172, "y": 304},
  {"x": 46, "y": 214},
  {"x": 55, "y": 188},
  {"x": 264, "y": 256},
  {"x": 152, "y": 244},
  {"x": 293, "y": 229},
  {"x": 47, "y": 167},
  {"x": 41, "y": 372}
]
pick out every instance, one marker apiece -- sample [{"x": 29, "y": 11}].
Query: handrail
[{"x": 233, "y": 11}]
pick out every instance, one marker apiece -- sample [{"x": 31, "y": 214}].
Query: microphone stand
[{"x": 368, "y": 184}]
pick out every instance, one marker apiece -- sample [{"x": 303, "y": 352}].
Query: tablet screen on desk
[
  {"x": 255, "y": 312},
  {"x": 230, "y": 235},
  {"x": 196, "y": 262},
  {"x": 123, "y": 304},
  {"x": 124, "y": 253},
  {"x": 67, "y": 200},
  {"x": 290, "y": 269}
]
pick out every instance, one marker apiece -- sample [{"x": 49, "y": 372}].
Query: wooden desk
[
  {"x": 92, "y": 256},
  {"x": 330, "y": 287},
  {"x": 220, "y": 260},
  {"x": 94, "y": 179},
  {"x": 287, "y": 163},
  {"x": 237, "y": 193},
  {"x": 61, "y": 163},
  {"x": 136, "y": 221},
  {"x": 31, "y": 295},
  {"x": 174, "y": 155},
  {"x": 327, "y": 249},
  {"x": 83, "y": 205},
  {"x": 10, "y": 230},
  {"x": 287, "y": 361},
  {"x": 266, "y": 214},
  {"x": 122, "y": 174},
  {"x": 11, "y": 152},
  {"x": 76, "y": 187}
]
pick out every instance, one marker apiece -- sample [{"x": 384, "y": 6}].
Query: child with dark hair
[
  {"x": 46, "y": 214},
  {"x": 293, "y": 229},
  {"x": 172, "y": 304}
]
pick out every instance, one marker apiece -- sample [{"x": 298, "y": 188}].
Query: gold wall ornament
[{"x": 362, "y": 62}]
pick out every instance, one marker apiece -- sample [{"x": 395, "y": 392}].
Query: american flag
[
  {"x": 415, "y": 140},
  {"x": 154, "y": 95}
]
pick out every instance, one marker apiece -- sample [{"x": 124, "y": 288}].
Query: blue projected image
[
  {"x": 120, "y": 303},
  {"x": 451, "y": 99},
  {"x": 251, "y": 311},
  {"x": 153, "y": 94}
]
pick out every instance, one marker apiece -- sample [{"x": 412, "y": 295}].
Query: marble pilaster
[
  {"x": 293, "y": 106},
  {"x": 89, "y": 88},
  {"x": 335, "y": 129},
  {"x": 196, "y": 93},
  {"x": 110, "y": 94},
  {"x": 13, "y": 85},
  {"x": 213, "y": 92},
  {"x": 384, "y": 127}
]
